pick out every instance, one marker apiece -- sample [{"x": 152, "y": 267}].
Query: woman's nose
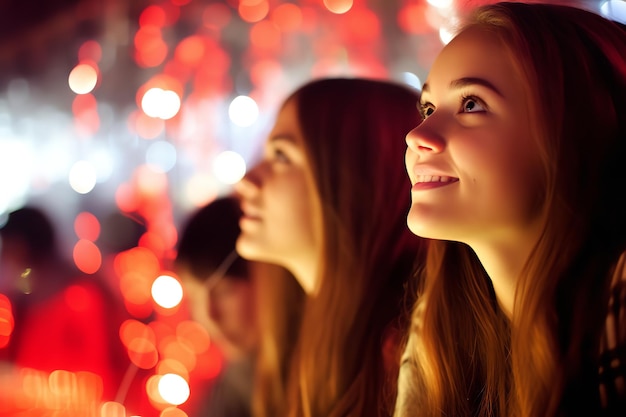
[
  {"x": 425, "y": 138},
  {"x": 249, "y": 183}
]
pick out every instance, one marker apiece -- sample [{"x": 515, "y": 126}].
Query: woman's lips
[{"x": 427, "y": 182}]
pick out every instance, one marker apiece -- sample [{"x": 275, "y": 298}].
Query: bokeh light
[
  {"x": 82, "y": 177},
  {"x": 7, "y": 321},
  {"x": 229, "y": 167},
  {"x": 614, "y": 9},
  {"x": 167, "y": 291},
  {"x": 83, "y": 78},
  {"x": 243, "y": 111},
  {"x": 112, "y": 409},
  {"x": 161, "y": 155},
  {"x": 338, "y": 6},
  {"x": 87, "y": 256},
  {"x": 87, "y": 226},
  {"x": 159, "y": 103},
  {"x": 173, "y": 389}
]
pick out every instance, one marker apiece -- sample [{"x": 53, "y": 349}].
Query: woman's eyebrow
[
  {"x": 467, "y": 81},
  {"x": 282, "y": 137}
]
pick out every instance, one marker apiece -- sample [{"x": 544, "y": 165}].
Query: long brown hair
[
  {"x": 470, "y": 360},
  {"x": 353, "y": 132}
]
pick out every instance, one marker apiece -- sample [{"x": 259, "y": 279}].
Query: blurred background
[{"x": 120, "y": 118}]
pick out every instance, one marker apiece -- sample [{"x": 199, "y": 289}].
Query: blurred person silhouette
[
  {"x": 220, "y": 288},
  {"x": 64, "y": 319}
]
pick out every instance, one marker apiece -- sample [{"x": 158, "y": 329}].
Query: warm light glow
[
  {"x": 243, "y": 111},
  {"x": 82, "y": 177},
  {"x": 150, "y": 182},
  {"x": 143, "y": 353},
  {"x": 253, "y": 11},
  {"x": 440, "y": 4},
  {"x": 287, "y": 17},
  {"x": 87, "y": 226},
  {"x": 83, "y": 79},
  {"x": 167, "y": 291},
  {"x": 173, "y": 412},
  {"x": 194, "y": 334},
  {"x": 112, "y": 409},
  {"x": 412, "y": 18},
  {"x": 174, "y": 389},
  {"x": 190, "y": 50},
  {"x": 90, "y": 51},
  {"x": 338, "y": 6},
  {"x": 445, "y": 35},
  {"x": 229, "y": 167},
  {"x": 145, "y": 126},
  {"x": 140, "y": 341},
  {"x": 216, "y": 16},
  {"x": 151, "y": 49},
  {"x": 200, "y": 189},
  {"x": 163, "y": 104},
  {"x": 87, "y": 256},
  {"x": 265, "y": 35},
  {"x": 153, "y": 15},
  {"x": 6, "y": 320},
  {"x": 181, "y": 352}
]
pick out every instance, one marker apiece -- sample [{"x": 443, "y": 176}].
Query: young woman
[
  {"x": 328, "y": 202},
  {"x": 518, "y": 166}
]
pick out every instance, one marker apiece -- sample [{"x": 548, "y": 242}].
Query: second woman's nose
[{"x": 249, "y": 184}]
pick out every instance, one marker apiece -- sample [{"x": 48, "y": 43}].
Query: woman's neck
[
  {"x": 306, "y": 273},
  {"x": 504, "y": 261}
]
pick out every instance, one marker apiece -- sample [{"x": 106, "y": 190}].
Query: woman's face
[
  {"x": 473, "y": 162},
  {"x": 279, "y": 204}
]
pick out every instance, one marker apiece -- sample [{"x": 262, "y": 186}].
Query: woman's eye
[
  {"x": 472, "y": 105},
  {"x": 280, "y": 156},
  {"x": 426, "y": 110}
]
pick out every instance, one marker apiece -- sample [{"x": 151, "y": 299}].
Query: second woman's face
[
  {"x": 279, "y": 203},
  {"x": 473, "y": 163}
]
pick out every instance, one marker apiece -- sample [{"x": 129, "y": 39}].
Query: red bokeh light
[
  {"x": 87, "y": 256},
  {"x": 253, "y": 11},
  {"x": 287, "y": 17},
  {"x": 153, "y": 16},
  {"x": 87, "y": 226}
]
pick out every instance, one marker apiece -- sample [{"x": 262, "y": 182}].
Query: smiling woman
[{"x": 516, "y": 171}]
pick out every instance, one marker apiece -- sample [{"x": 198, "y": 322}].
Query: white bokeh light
[
  {"x": 229, "y": 167},
  {"x": 200, "y": 189},
  {"x": 614, "y": 9},
  {"x": 167, "y": 291},
  {"x": 170, "y": 104},
  {"x": 103, "y": 162},
  {"x": 440, "y": 4},
  {"x": 82, "y": 177},
  {"x": 159, "y": 103},
  {"x": 445, "y": 35},
  {"x": 15, "y": 172},
  {"x": 83, "y": 79},
  {"x": 173, "y": 389},
  {"x": 161, "y": 155},
  {"x": 412, "y": 80},
  {"x": 243, "y": 111}
]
